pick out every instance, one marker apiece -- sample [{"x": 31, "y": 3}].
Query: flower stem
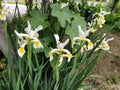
[
  {"x": 57, "y": 73},
  {"x": 74, "y": 63},
  {"x": 29, "y": 56}
]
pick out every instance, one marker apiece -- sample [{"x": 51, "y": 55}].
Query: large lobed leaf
[
  {"x": 63, "y": 14},
  {"x": 72, "y": 30},
  {"x": 38, "y": 18}
]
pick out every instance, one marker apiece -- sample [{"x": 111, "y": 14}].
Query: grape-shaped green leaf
[
  {"x": 63, "y": 14},
  {"x": 38, "y": 18},
  {"x": 72, "y": 30}
]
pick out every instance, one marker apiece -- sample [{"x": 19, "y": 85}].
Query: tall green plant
[{"x": 56, "y": 50}]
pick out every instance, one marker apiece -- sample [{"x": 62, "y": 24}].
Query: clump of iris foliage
[
  {"x": 114, "y": 17},
  {"x": 56, "y": 43}
]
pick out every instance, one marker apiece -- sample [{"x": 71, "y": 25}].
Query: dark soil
[{"x": 106, "y": 74}]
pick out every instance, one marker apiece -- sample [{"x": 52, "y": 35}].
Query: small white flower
[
  {"x": 101, "y": 20},
  {"x": 31, "y": 35},
  {"x": 64, "y": 5},
  {"x": 60, "y": 50},
  {"x": 91, "y": 26},
  {"x": 104, "y": 44},
  {"x": 5, "y": 9},
  {"x": 82, "y": 37}
]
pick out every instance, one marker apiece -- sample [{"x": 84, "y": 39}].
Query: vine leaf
[
  {"x": 63, "y": 14},
  {"x": 38, "y": 18},
  {"x": 72, "y": 30}
]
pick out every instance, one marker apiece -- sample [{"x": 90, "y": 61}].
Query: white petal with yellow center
[
  {"x": 3, "y": 17},
  {"x": 107, "y": 47},
  {"x": 90, "y": 45},
  {"x": 92, "y": 30},
  {"x": 21, "y": 52},
  {"x": 37, "y": 44}
]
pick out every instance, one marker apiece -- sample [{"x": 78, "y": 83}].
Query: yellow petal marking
[
  {"x": 92, "y": 30},
  {"x": 107, "y": 47},
  {"x": 90, "y": 44},
  {"x": 73, "y": 42},
  {"x": 2, "y": 16},
  {"x": 37, "y": 44},
  {"x": 51, "y": 56},
  {"x": 21, "y": 50}
]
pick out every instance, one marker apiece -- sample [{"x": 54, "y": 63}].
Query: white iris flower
[
  {"x": 3, "y": 11},
  {"x": 104, "y": 44},
  {"x": 31, "y": 35},
  {"x": 60, "y": 50},
  {"x": 101, "y": 20},
  {"x": 2, "y": 15},
  {"x": 91, "y": 26},
  {"x": 82, "y": 37}
]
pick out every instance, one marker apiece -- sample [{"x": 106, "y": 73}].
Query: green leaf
[
  {"x": 72, "y": 30},
  {"x": 38, "y": 18},
  {"x": 18, "y": 82},
  {"x": 78, "y": 20},
  {"x": 37, "y": 50},
  {"x": 47, "y": 50},
  {"x": 38, "y": 78},
  {"x": 47, "y": 36},
  {"x": 63, "y": 14}
]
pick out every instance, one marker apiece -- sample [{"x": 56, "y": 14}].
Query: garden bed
[{"x": 106, "y": 74}]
